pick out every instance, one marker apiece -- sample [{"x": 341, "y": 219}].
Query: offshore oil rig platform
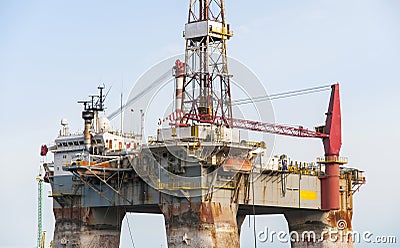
[{"x": 197, "y": 172}]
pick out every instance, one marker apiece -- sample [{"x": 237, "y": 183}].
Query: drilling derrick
[
  {"x": 206, "y": 90},
  {"x": 204, "y": 217}
]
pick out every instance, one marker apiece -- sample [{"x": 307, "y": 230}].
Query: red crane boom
[{"x": 277, "y": 129}]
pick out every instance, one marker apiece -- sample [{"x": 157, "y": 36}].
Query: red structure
[
  {"x": 331, "y": 135},
  {"x": 277, "y": 129},
  {"x": 333, "y": 128}
]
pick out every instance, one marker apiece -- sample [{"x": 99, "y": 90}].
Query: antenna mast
[
  {"x": 206, "y": 88},
  {"x": 39, "y": 179}
]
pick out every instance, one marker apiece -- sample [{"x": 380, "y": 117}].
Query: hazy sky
[{"x": 53, "y": 53}]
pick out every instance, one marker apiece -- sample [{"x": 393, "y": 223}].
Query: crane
[{"x": 330, "y": 133}]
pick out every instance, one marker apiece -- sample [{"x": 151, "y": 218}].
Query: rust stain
[
  {"x": 79, "y": 227},
  {"x": 214, "y": 238},
  {"x": 211, "y": 222},
  {"x": 338, "y": 216},
  {"x": 264, "y": 194}
]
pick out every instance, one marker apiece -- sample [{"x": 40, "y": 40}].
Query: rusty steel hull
[
  {"x": 87, "y": 217},
  {"x": 320, "y": 229},
  {"x": 206, "y": 224},
  {"x": 87, "y": 227}
]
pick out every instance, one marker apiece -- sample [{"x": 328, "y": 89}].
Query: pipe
[
  {"x": 87, "y": 116},
  {"x": 331, "y": 193},
  {"x": 179, "y": 78}
]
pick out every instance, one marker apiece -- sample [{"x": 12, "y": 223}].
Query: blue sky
[{"x": 53, "y": 53}]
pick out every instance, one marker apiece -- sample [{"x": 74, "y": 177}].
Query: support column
[
  {"x": 201, "y": 224},
  {"x": 332, "y": 229},
  {"x": 87, "y": 227}
]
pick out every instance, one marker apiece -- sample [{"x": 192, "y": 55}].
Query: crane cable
[
  {"x": 130, "y": 233},
  {"x": 151, "y": 86},
  {"x": 254, "y": 210},
  {"x": 282, "y": 95},
  {"x": 164, "y": 77}
]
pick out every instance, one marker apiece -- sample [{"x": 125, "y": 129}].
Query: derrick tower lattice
[{"x": 206, "y": 89}]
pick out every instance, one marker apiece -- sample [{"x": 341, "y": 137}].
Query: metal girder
[
  {"x": 276, "y": 129},
  {"x": 206, "y": 89},
  {"x": 262, "y": 127}
]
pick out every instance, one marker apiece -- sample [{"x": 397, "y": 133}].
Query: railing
[
  {"x": 176, "y": 185},
  {"x": 332, "y": 159}
]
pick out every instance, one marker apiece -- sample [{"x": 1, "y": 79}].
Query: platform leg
[
  {"x": 207, "y": 224},
  {"x": 87, "y": 227},
  {"x": 331, "y": 229}
]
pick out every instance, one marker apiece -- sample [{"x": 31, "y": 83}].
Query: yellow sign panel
[{"x": 308, "y": 195}]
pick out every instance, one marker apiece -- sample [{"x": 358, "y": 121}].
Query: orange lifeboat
[{"x": 237, "y": 165}]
